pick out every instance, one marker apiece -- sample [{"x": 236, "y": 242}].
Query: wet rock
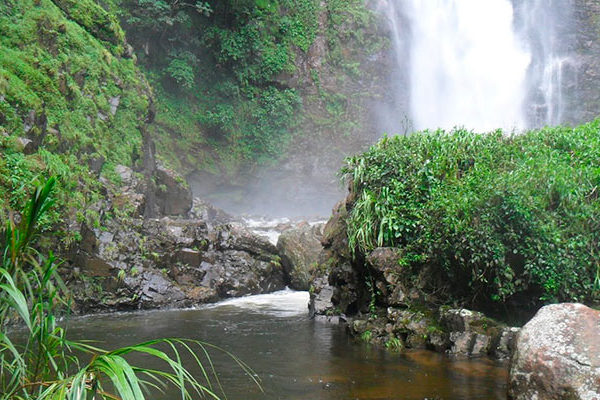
[
  {"x": 25, "y": 145},
  {"x": 114, "y": 104},
  {"x": 157, "y": 290},
  {"x": 320, "y": 298},
  {"x": 384, "y": 260},
  {"x": 234, "y": 273},
  {"x": 461, "y": 343},
  {"x": 209, "y": 213},
  {"x": 173, "y": 195},
  {"x": 472, "y": 334},
  {"x": 170, "y": 263},
  {"x": 334, "y": 232},
  {"x": 189, "y": 257},
  {"x": 413, "y": 325},
  {"x": 503, "y": 345},
  {"x": 299, "y": 249},
  {"x": 480, "y": 345},
  {"x": 557, "y": 355},
  {"x": 461, "y": 320},
  {"x": 439, "y": 341}
]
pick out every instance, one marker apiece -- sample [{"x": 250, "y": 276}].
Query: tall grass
[{"x": 42, "y": 363}]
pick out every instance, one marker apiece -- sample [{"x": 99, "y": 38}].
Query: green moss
[
  {"x": 56, "y": 83},
  {"x": 93, "y": 19}
]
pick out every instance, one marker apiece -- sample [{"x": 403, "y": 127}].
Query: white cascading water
[
  {"x": 551, "y": 65},
  {"x": 466, "y": 64}
]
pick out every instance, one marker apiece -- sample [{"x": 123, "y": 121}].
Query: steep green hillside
[
  {"x": 71, "y": 99},
  {"x": 243, "y": 83}
]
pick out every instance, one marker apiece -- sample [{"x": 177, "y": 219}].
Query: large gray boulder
[
  {"x": 557, "y": 355},
  {"x": 299, "y": 249}
]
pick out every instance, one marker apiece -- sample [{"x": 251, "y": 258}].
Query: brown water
[{"x": 298, "y": 358}]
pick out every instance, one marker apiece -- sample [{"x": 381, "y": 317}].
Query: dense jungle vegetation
[
  {"x": 490, "y": 217},
  {"x": 238, "y": 83},
  {"x": 228, "y": 81},
  {"x": 231, "y": 78}
]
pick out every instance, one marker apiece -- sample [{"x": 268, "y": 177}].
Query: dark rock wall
[{"x": 584, "y": 101}]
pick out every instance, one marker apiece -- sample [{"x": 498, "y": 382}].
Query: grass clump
[
  {"x": 488, "y": 217},
  {"x": 42, "y": 363}
]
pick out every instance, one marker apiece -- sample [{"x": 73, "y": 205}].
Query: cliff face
[
  {"x": 584, "y": 96},
  {"x": 564, "y": 75},
  {"x": 342, "y": 80}
]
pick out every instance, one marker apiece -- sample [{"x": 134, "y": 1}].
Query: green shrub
[{"x": 488, "y": 216}]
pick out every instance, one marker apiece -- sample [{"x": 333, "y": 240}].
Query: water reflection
[{"x": 298, "y": 358}]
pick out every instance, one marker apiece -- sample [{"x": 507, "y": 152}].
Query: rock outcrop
[
  {"x": 173, "y": 195},
  {"x": 299, "y": 249},
  {"x": 168, "y": 262},
  {"x": 392, "y": 309},
  {"x": 458, "y": 332},
  {"x": 125, "y": 261},
  {"x": 557, "y": 355}
]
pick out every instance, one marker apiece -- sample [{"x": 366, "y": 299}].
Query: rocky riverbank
[{"x": 189, "y": 253}]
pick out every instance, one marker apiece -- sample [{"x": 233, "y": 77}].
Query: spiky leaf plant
[{"x": 37, "y": 361}]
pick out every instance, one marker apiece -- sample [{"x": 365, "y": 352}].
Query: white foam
[{"x": 283, "y": 303}]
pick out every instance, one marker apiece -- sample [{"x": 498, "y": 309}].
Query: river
[{"x": 295, "y": 357}]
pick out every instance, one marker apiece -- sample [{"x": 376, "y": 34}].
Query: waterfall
[
  {"x": 481, "y": 64},
  {"x": 545, "y": 24}
]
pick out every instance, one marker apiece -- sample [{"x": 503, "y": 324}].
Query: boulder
[
  {"x": 413, "y": 325},
  {"x": 472, "y": 334},
  {"x": 173, "y": 195},
  {"x": 209, "y": 213},
  {"x": 299, "y": 249},
  {"x": 320, "y": 297},
  {"x": 557, "y": 355}
]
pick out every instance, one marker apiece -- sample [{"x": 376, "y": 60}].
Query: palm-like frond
[{"x": 42, "y": 363}]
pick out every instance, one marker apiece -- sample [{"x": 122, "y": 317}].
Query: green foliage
[
  {"x": 94, "y": 19},
  {"x": 182, "y": 69},
  {"x": 61, "y": 64},
  {"x": 366, "y": 336},
  {"x": 488, "y": 216},
  {"x": 221, "y": 63},
  {"x": 41, "y": 363},
  {"x": 394, "y": 344}
]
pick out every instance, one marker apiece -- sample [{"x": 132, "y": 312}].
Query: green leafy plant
[
  {"x": 490, "y": 217},
  {"x": 394, "y": 344},
  {"x": 366, "y": 336},
  {"x": 41, "y": 362}
]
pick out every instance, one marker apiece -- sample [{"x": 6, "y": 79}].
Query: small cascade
[
  {"x": 552, "y": 89},
  {"x": 284, "y": 303}
]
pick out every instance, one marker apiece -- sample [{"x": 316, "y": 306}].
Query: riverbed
[{"x": 295, "y": 357}]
